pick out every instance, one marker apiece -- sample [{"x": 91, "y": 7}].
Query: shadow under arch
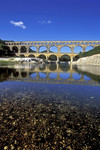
[
  {"x": 24, "y": 74},
  {"x": 53, "y": 49},
  {"x": 42, "y": 67},
  {"x": 5, "y": 73},
  {"x": 64, "y": 75},
  {"x": 42, "y": 56},
  {"x": 7, "y": 51},
  {"x": 23, "y": 56},
  {"x": 15, "y": 73},
  {"x": 32, "y": 56},
  {"x": 52, "y": 67},
  {"x": 32, "y": 49},
  {"x": 23, "y": 49},
  {"x": 65, "y": 49},
  {"x": 32, "y": 67},
  {"x": 76, "y": 57},
  {"x": 65, "y": 57},
  {"x": 15, "y": 49},
  {"x": 43, "y": 49},
  {"x": 64, "y": 68},
  {"x": 52, "y": 57},
  {"x": 7, "y": 48}
]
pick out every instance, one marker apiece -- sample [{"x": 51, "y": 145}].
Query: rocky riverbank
[
  {"x": 91, "y": 60},
  {"x": 11, "y": 59}
]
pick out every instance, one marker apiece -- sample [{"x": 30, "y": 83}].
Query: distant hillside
[
  {"x": 4, "y": 51},
  {"x": 89, "y": 53},
  {"x": 8, "y": 41},
  {"x": 2, "y": 42},
  {"x": 32, "y": 51},
  {"x": 45, "y": 51}
]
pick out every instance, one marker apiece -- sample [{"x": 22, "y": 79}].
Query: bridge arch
[
  {"x": 75, "y": 58},
  {"x": 52, "y": 57},
  {"x": 64, "y": 75},
  {"x": 42, "y": 56},
  {"x": 32, "y": 49},
  {"x": 42, "y": 67},
  {"x": 64, "y": 68},
  {"x": 78, "y": 49},
  {"x": 7, "y": 48},
  {"x": 65, "y": 49},
  {"x": 53, "y": 49},
  {"x": 52, "y": 67},
  {"x": 43, "y": 49},
  {"x": 31, "y": 55},
  {"x": 23, "y": 49},
  {"x": 22, "y": 55},
  {"x": 16, "y": 74},
  {"x": 53, "y": 75},
  {"x": 24, "y": 74},
  {"x": 88, "y": 48},
  {"x": 65, "y": 57},
  {"x": 42, "y": 75},
  {"x": 33, "y": 74},
  {"x": 15, "y": 49},
  {"x": 76, "y": 76}
]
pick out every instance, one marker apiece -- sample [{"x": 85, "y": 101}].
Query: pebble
[{"x": 6, "y": 147}]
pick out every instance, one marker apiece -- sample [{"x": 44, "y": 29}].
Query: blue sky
[{"x": 28, "y": 20}]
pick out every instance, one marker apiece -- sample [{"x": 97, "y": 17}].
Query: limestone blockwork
[{"x": 17, "y": 47}]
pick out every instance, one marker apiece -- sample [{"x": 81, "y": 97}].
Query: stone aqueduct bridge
[{"x": 17, "y": 47}]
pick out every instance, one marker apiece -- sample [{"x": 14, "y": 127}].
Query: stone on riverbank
[
  {"x": 33, "y": 60},
  {"x": 91, "y": 60}
]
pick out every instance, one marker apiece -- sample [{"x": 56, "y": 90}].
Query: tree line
[{"x": 4, "y": 50}]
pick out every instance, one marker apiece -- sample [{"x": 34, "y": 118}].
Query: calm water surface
[{"x": 49, "y": 107}]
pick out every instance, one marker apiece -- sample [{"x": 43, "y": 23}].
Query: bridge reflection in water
[{"x": 51, "y": 73}]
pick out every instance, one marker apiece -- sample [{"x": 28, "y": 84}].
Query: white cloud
[
  {"x": 49, "y": 21},
  {"x": 45, "y": 22},
  {"x": 18, "y": 24}
]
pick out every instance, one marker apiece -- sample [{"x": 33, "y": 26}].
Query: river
[{"x": 49, "y": 107}]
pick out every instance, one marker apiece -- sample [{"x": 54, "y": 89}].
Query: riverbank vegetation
[
  {"x": 4, "y": 50},
  {"x": 94, "y": 51}
]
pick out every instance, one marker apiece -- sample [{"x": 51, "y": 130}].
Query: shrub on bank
[{"x": 94, "y": 51}]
